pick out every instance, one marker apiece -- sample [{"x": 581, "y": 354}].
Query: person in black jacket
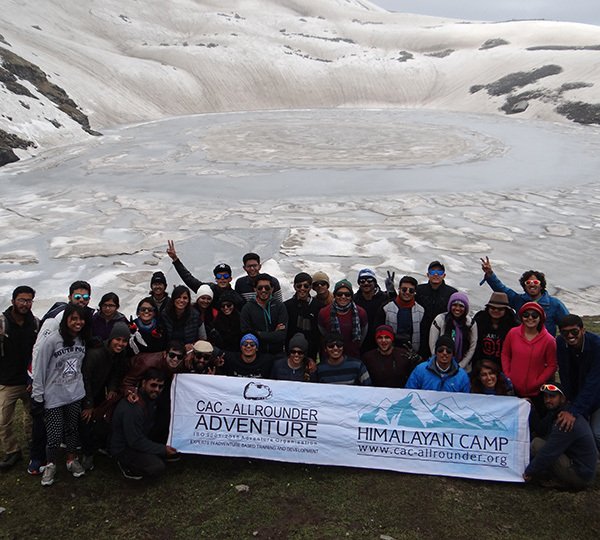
[{"x": 303, "y": 310}]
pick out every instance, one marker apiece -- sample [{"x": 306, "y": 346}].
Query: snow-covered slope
[{"x": 128, "y": 61}]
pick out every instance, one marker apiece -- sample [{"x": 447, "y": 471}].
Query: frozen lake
[{"x": 333, "y": 190}]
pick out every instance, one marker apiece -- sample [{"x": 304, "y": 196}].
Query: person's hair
[
  {"x": 477, "y": 387},
  {"x": 178, "y": 291},
  {"x": 153, "y": 373},
  {"x": 175, "y": 346},
  {"x": 70, "y": 309},
  {"x": 570, "y": 320},
  {"x": 110, "y": 296},
  {"x": 505, "y": 323},
  {"x": 538, "y": 275},
  {"x": 263, "y": 277},
  {"x": 79, "y": 285},
  {"x": 409, "y": 279},
  {"x": 462, "y": 327},
  {"x": 147, "y": 300},
  {"x": 23, "y": 289},
  {"x": 250, "y": 257}
]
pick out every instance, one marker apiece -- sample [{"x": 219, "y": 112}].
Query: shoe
[
  {"x": 11, "y": 460},
  {"x": 127, "y": 473},
  {"x": 173, "y": 458},
  {"x": 75, "y": 468},
  {"x": 35, "y": 467},
  {"x": 48, "y": 476},
  {"x": 87, "y": 462}
]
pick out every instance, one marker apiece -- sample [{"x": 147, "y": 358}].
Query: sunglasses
[
  {"x": 408, "y": 290},
  {"x": 297, "y": 352},
  {"x": 158, "y": 386},
  {"x": 23, "y": 301},
  {"x": 81, "y": 296},
  {"x": 320, "y": 284},
  {"x": 226, "y": 305},
  {"x": 364, "y": 280},
  {"x": 205, "y": 356},
  {"x": 532, "y": 282},
  {"x": 335, "y": 345},
  {"x": 346, "y": 294},
  {"x": 302, "y": 286},
  {"x": 436, "y": 272},
  {"x": 446, "y": 350},
  {"x": 530, "y": 315},
  {"x": 110, "y": 305},
  {"x": 496, "y": 308},
  {"x": 550, "y": 388},
  {"x": 459, "y": 304},
  {"x": 263, "y": 287},
  {"x": 574, "y": 332},
  {"x": 223, "y": 276},
  {"x": 172, "y": 354},
  {"x": 248, "y": 344},
  {"x": 146, "y": 310}
]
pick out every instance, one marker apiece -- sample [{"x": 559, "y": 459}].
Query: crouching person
[
  {"x": 570, "y": 456},
  {"x": 137, "y": 455}
]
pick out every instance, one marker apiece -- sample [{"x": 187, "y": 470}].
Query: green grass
[{"x": 196, "y": 498}]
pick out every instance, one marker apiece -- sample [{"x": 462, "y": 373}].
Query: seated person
[
  {"x": 205, "y": 360},
  {"x": 388, "y": 365},
  {"x": 136, "y": 454},
  {"x": 296, "y": 366},
  {"x": 570, "y": 456},
  {"x": 338, "y": 368},
  {"x": 441, "y": 372},
  {"x": 248, "y": 362},
  {"x": 487, "y": 378}
]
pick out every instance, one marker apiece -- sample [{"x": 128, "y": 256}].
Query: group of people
[{"x": 96, "y": 380}]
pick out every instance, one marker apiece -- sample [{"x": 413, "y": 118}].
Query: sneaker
[
  {"x": 173, "y": 458},
  {"x": 75, "y": 468},
  {"x": 87, "y": 462},
  {"x": 35, "y": 467},
  {"x": 11, "y": 460},
  {"x": 127, "y": 473},
  {"x": 49, "y": 472}
]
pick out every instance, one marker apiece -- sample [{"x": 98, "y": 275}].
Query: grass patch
[{"x": 196, "y": 498}]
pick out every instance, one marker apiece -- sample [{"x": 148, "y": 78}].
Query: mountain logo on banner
[{"x": 415, "y": 412}]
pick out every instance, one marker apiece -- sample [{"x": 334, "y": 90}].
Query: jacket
[
  {"x": 528, "y": 364},
  {"x": 261, "y": 322},
  {"x": 438, "y": 328},
  {"x": 389, "y": 315},
  {"x": 427, "y": 376},
  {"x": 17, "y": 347},
  {"x": 584, "y": 393},
  {"x": 434, "y": 302},
  {"x": 555, "y": 310}
]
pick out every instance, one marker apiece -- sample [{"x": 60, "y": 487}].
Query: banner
[{"x": 440, "y": 433}]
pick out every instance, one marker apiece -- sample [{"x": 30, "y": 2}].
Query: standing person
[
  {"x": 221, "y": 272},
  {"x": 371, "y": 298},
  {"x": 388, "y": 365},
  {"x": 296, "y": 366},
  {"x": 457, "y": 324},
  {"x": 433, "y": 296},
  {"x": 534, "y": 287},
  {"x": 337, "y": 368},
  {"x": 578, "y": 354},
  {"x": 136, "y": 454},
  {"x": 180, "y": 322},
  {"x": 441, "y": 372},
  {"x": 226, "y": 332},
  {"x": 18, "y": 332},
  {"x": 265, "y": 317},
  {"x": 529, "y": 354},
  {"x": 343, "y": 316},
  {"x": 107, "y": 315},
  {"x": 302, "y": 313},
  {"x": 403, "y": 313},
  {"x": 205, "y": 307},
  {"x": 245, "y": 285},
  {"x": 158, "y": 291},
  {"x": 493, "y": 323},
  {"x": 570, "y": 455},
  {"x": 146, "y": 333},
  {"x": 487, "y": 378},
  {"x": 58, "y": 388},
  {"x": 320, "y": 284}
]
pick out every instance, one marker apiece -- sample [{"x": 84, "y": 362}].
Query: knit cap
[
  {"x": 205, "y": 290},
  {"x": 119, "y": 330}
]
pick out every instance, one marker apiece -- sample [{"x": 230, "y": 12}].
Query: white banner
[{"x": 440, "y": 433}]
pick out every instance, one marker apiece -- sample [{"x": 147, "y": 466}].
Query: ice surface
[{"x": 309, "y": 190}]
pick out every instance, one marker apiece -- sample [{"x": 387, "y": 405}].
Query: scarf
[{"x": 335, "y": 324}]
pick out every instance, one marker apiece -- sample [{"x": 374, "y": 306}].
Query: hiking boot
[
  {"x": 87, "y": 462},
  {"x": 75, "y": 468},
  {"x": 11, "y": 460},
  {"x": 128, "y": 473},
  {"x": 35, "y": 467},
  {"x": 48, "y": 476}
]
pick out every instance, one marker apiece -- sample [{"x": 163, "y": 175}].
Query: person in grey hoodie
[{"x": 58, "y": 387}]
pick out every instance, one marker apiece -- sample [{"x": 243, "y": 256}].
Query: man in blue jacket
[
  {"x": 441, "y": 372},
  {"x": 534, "y": 287},
  {"x": 578, "y": 355}
]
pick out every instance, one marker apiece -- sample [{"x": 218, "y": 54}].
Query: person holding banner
[
  {"x": 337, "y": 368},
  {"x": 297, "y": 366},
  {"x": 248, "y": 362},
  {"x": 441, "y": 372},
  {"x": 389, "y": 366}
]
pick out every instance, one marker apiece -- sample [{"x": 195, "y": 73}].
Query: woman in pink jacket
[{"x": 529, "y": 354}]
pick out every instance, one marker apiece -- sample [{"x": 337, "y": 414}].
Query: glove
[{"x": 389, "y": 284}]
